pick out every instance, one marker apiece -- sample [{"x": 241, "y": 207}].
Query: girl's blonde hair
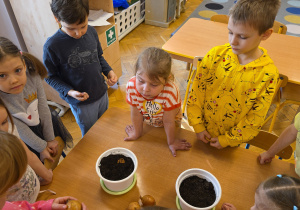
[
  {"x": 34, "y": 65},
  {"x": 283, "y": 191},
  {"x": 155, "y": 62},
  {"x": 13, "y": 161},
  {"x": 2, "y": 104}
]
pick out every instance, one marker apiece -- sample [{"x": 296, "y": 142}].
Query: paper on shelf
[{"x": 99, "y": 18}]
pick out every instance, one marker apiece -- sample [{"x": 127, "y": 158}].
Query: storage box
[{"x": 128, "y": 19}]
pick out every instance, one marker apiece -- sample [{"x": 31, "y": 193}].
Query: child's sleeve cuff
[
  {"x": 222, "y": 140},
  {"x": 199, "y": 128}
]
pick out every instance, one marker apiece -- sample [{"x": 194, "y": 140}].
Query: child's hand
[
  {"x": 53, "y": 145},
  {"x": 264, "y": 158},
  {"x": 179, "y": 144},
  {"x": 214, "y": 142},
  {"x": 47, "y": 180},
  {"x": 203, "y": 136},
  {"x": 131, "y": 133},
  {"x": 112, "y": 78},
  {"x": 60, "y": 203},
  {"x": 228, "y": 206},
  {"x": 78, "y": 95},
  {"x": 45, "y": 154}
]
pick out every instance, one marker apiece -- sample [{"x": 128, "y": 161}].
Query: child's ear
[
  {"x": 57, "y": 21},
  {"x": 267, "y": 34}
]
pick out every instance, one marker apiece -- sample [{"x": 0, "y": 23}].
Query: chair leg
[
  {"x": 247, "y": 146},
  {"x": 63, "y": 154}
]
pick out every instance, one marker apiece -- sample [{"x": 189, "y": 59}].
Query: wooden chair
[
  {"x": 193, "y": 69},
  {"x": 278, "y": 27},
  {"x": 61, "y": 145},
  {"x": 265, "y": 140}
]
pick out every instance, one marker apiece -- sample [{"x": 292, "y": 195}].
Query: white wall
[{"x": 8, "y": 25}]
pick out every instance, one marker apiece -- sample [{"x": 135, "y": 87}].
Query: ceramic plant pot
[
  {"x": 201, "y": 174},
  {"x": 123, "y": 184}
]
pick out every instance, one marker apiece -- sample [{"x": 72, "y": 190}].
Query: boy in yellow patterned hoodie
[{"x": 234, "y": 86}]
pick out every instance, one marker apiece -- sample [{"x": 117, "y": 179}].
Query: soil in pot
[
  {"x": 116, "y": 167},
  {"x": 197, "y": 192}
]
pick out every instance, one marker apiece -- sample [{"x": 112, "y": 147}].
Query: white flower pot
[
  {"x": 204, "y": 175},
  {"x": 122, "y": 184}
]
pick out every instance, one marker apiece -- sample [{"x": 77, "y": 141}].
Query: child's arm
[
  {"x": 38, "y": 167},
  {"x": 135, "y": 130},
  {"x": 287, "y": 137},
  {"x": 169, "y": 125}
]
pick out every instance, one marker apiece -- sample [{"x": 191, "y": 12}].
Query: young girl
[
  {"x": 276, "y": 193},
  {"x": 288, "y": 136},
  {"x": 22, "y": 91},
  {"x": 29, "y": 185},
  {"x": 13, "y": 164},
  {"x": 154, "y": 98}
]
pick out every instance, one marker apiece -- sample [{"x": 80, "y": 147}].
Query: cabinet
[{"x": 36, "y": 22}]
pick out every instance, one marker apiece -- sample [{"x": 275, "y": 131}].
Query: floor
[{"x": 145, "y": 36}]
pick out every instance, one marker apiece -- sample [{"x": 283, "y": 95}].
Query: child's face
[
  {"x": 262, "y": 202},
  {"x": 12, "y": 75},
  {"x": 244, "y": 39},
  {"x": 3, "y": 119},
  {"x": 75, "y": 30},
  {"x": 147, "y": 88}
]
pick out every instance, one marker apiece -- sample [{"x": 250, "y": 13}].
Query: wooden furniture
[
  {"x": 236, "y": 168},
  {"x": 197, "y": 36},
  {"x": 37, "y": 23},
  {"x": 265, "y": 140}
]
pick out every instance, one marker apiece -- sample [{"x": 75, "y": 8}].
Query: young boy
[
  {"x": 234, "y": 86},
  {"x": 74, "y": 61}
]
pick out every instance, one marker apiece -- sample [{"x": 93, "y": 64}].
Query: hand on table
[
  {"x": 228, "y": 206},
  {"x": 60, "y": 203},
  {"x": 78, "y": 95},
  {"x": 179, "y": 144},
  {"x": 112, "y": 78},
  {"x": 214, "y": 142},
  {"x": 131, "y": 133},
  {"x": 264, "y": 158},
  {"x": 203, "y": 136}
]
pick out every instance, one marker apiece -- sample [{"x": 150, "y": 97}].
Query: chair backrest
[
  {"x": 220, "y": 18},
  {"x": 283, "y": 80},
  {"x": 264, "y": 140},
  {"x": 279, "y": 28}
]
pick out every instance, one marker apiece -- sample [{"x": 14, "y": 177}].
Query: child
[
  {"x": 154, "y": 98},
  {"x": 234, "y": 87},
  {"x": 280, "y": 192},
  {"x": 74, "y": 61},
  {"x": 22, "y": 92},
  {"x": 288, "y": 136},
  {"x": 29, "y": 185},
  {"x": 13, "y": 164}
]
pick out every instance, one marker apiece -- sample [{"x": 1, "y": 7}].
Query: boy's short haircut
[
  {"x": 70, "y": 11},
  {"x": 260, "y": 14}
]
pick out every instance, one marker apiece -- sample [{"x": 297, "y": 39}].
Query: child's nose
[
  {"x": 13, "y": 79},
  {"x": 146, "y": 87},
  {"x": 233, "y": 40}
]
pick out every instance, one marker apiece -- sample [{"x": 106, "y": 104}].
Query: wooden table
[
  {"x": 197, "y": 36},
  {"x": 237, "y": 169}
]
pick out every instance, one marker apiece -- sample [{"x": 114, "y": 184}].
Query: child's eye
[
  {"x": 2, "y": 75},
  {"x": 18, "y": 70},
  {"x": 153, "y": 85},
  {"x": 242, "y": 37},
  {"x": 141, "y": 81},
  {"x": 4, "y": 122}
]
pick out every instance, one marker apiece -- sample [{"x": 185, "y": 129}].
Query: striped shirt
[{"x": 153, "y": 109}]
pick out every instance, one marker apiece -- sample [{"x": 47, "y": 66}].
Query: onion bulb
[
  {"x": 147, "y": 200},
  {"x": 134, "y": 206},
  {"x": 73, "y": 205}
]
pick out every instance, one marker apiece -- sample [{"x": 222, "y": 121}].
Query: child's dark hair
[
  {"x": 260, "y": 14},
  {"x": 34, "y": 65},
  {"x": 283, "y": 191},
  {"x": 70, "y": 11},
  {"x": 155, "y": 62}
]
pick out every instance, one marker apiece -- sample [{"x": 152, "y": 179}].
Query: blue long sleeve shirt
[{"x": 76, "y": 64}]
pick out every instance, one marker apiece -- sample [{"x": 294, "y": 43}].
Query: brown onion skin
[
  {"x": 73, "y": 205},
  {"x": 148, "y": 200},
  {"x": 134, "y": 206}
]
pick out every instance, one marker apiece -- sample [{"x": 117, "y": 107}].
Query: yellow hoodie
[{"x": 230, "y": 100}]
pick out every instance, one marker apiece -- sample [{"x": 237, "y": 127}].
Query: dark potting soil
[
  {"x": 116, "y": 167},
  {"x": 197, "y": 192}
]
